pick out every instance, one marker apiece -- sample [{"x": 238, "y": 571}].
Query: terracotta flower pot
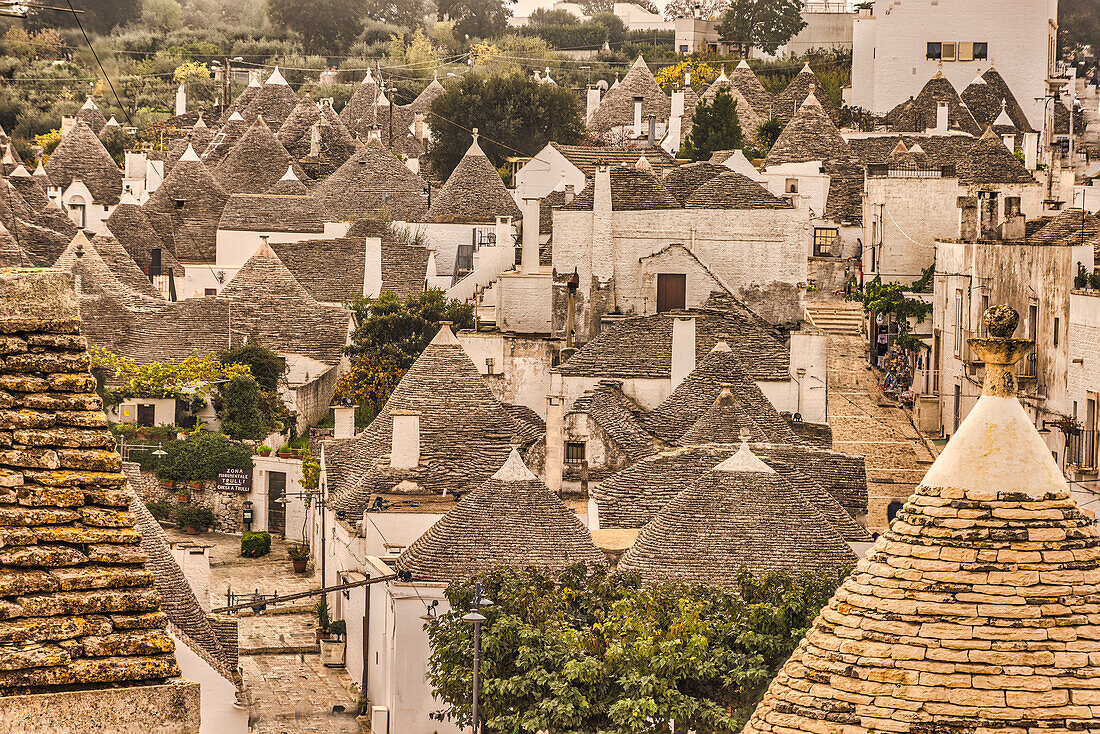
[
  {"x": 285, "y": 455},
  {"x": 183, "y": 497},
  {"x": 168, "y": 485},
  {"x": 196, "y": 485},
  {"x": 190, "y": 530},
  {"x": 264, "y": 452},
  {"x": 299, "y": 566}
]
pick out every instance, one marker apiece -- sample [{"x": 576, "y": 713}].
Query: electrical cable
[{"x": 76, "y": 17}]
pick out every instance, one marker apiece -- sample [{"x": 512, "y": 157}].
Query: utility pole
[{"x": 225, "y": 81}]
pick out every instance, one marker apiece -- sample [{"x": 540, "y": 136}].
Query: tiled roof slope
[
  {"x": 273, "y": 213},
  {"x": 310, "y": 262},
  {"x": 90, "y": 114},
  {"x": 682, "y": 181},
  {"x": 1070, "y": 227},
  {"x": 984, "y": 97},
  {"x": 586, "y": 158},
  {"x": 12, "y": 255},
  {"x": 359, "y": 112},
  {"x": 919, "y": 113},
  {"x": 511, "y": 520},
  {"x": 133, "y": 231},
  {"x": 617, "y": 106},
  {"x": 465, "y": 434},
  {"x": 697, "y": 393},
  {"x": 731, "y": 190},
  {"x": 973, "y": 611},
  {"x": 31, "y": 191},
  {"x": 811, "y": 135},
  {"x": 334, "y": 147},
  {"x": 256, "y": 163},
  {"x": 121, "y": 264},
  {"x": 178, "y": 600},
  {"x": 632, "y": 189},
  {"x": 427, "y": 95},
  {"x": 829, "y": 479},
  {"x": 642, "y": 346},
  {"x": 745, "y": 81},
  {"x": 740, "y": 516},
  {"x": 79, "y": 604},
  {"x": 189, "y": 228},
  {"x": 989, "y": 162},
  {"x": 198, "y": 138},
  {"x": 749, "y": 117},
  {"x": 224, "y": 140},
  {"x": 81, "y": 155},
  {"x": 298, "y": 124},
  {"x": 618, "y": 416},
  {"x": 274, "y": 101},
  {"x": 373, "y": 181},
  {"x": 790, "y": 100},
  {"x": 473, "y": 194}
]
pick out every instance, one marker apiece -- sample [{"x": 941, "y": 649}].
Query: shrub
[
  {"x": 256, "y": 544},
  {"x": 195, "y": 517},
  {"x": 161, "y": 510},
  {"x": 202, "y": 457},
  {"x": 299, "y": 552}
]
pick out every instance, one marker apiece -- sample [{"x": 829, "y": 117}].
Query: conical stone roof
[
  {"x": 372, "y": 181},
  {"x": 90, "y": 114},
  {"x": 474, "y": 193},
  {"x": 224, "y": 140},
  {"x": 791, "y": 99},
  {"x": 423, "y": 101},
  {"x": 274, "y": 101},
  {"x": 130, "y": 225},
  {"x": 256, "y": 163},
  {"x": 974, "y": 612},
  {"x": 300, "y": 122},
  {"x": 81, "y": 155},
  {"x": 360, "y": 113},
  {"x": 617, "y": 106},
  {"x": 920, "y": 113},
  {"x": 988, "y": 161},
  {"x": 29, "y": 188},
  {"x": 996, "y": 92},
  {"x": 810, "y": 136},
  {"x": 745, "y": 81},
  {"x": 740, "y": 516},
  {"x": 511, "y": 520},
  {"x": 185, "y": 209}
]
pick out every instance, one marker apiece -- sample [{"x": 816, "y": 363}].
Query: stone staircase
[{"x": 836, "y": 317}]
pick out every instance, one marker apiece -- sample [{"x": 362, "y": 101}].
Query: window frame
[
  {"x": 933, "y": 50},
  {"x": 570, "y": 452},
  {"x": 947, "y": 46},
  {"x": 823, "y": 245},
  {"x": 981, "y": 50}
]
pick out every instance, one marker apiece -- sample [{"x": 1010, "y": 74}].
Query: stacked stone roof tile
[
  {"x": 359, "y": 114},
  {"x": 790, "y": 100},
  {"x": 731, "y": 190},
  {"x": 80, "y": 155},
  {"x": 989, "y": 162},
  {"x": 274, "y": 101},
  {"x": 79, "y": 606},
  {"x": 474, "y": 193},
  {"x": 185, "y": 209},
  {"x": 510, "y": 520},
  {"x": 619, "y": 417},
  {"x": 586, "y": 158},
  {"x": 740, "y": 516},
  {"x": 375, "y": 181},
  {"x": 617, "y": 106},
  {"x": 985, "y": 96},
  {"x": 744, "y": 80},
  {"x": 683, "y": 181},
  {"x": 256, "y": 162},
  {"x": 920, "y": 113},
  {"x": 632, "y": 189}
]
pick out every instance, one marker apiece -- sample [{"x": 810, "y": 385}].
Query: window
[
  {"x": 958, "y": 323},
  {"x": 574, "y": 452},
  {"x": 1089, "y": 459},
  {"x": 825, "y": 240},
  {"x": 933, "y": 50},
  {"x": 981, "y": 316},
  {"x": 1056, "y": 324},
  {"x": 180, "y": 203},
  {"x": 210, "y": 292},
  {"x": 947, "y": 51},
  {"x": 981, "y": 51},
  {"x": 966, "y": 51},
  {"x": 684, "y": 48},
  {"x": 791, "y": 186}
]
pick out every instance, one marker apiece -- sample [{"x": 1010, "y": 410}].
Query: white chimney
[
  {"x": 502, "y": 231},
  {"x": 418, "y": 126},
  {"x": 181, "y": 100},
  {"x": 372, "y": 270},
  {"x": 602, "y": 253},
  {"x": 683, "y": 348},
  {"x": 592, "y": 104},
  {"x": 1010, "y": 142},
  {"x": 638, "y": 117},
  {"x": 677, "y": 102},
  {"x": 343, "y": 421},
  {"x": 941, "y": 118},
  {"x": 555, "y": 441},
  {"x": 405, "y": 442},
  {"x": 530, "y": 257},
  {"x": 1031, "y": 151},
  {"x": 67, "y": 122}
]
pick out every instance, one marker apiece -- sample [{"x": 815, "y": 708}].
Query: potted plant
[
  {"x": 334, "y": 646},
  {"x": 323, "y": 617},
  {"x": 299, "y": 556},
  {"x": 263, "y": 450},
  {"x": 168, "y": 484},
  {"x": 286, "y": 452},
  {"x": 196, "y": 485},
  {"x": 183, "y": 495},
  {"x": 194, "y": 520}
]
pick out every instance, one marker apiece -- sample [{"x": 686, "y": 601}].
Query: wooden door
[
  {"x": 146, "y": 414},
  {"x": 276, "y": 511},
  {"x": 671, "y": 291}
]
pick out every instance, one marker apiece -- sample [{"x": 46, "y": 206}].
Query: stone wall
[{"x": 227, "y": 506}]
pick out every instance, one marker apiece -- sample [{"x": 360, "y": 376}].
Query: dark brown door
[
  {"x": 276, "y": 511},
  {"x": 671, "y": 291},
  {"x": 146, "y": 414}
]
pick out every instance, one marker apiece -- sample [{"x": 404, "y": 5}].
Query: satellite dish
[{"x": 602, "y": 85}]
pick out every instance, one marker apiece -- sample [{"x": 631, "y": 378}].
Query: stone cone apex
[
  {"x": 21, "y": 171},
  {"x": 975, "y": 611},
  {"x": 514, "y": 470},
  {"x": 722, "y": 76},
  {"x": 276, "y": 78},
  {"x": 289, "y": 175},
  {"x": 368, "y": 78},
  {"x": 254, "y": 82},
  {"x": 474, "y": 148},
  {"x": 113, "y": 122},
  {"x": 200, "y": 124},
  {"x": 445, "y": 335},
  {"x": 235, "y": 116},
  {"x": 642, "y": 164},
  {"x": 811, "y": 99},
  {"x": 744, "y": 461},
  {"x": 1003, "y": 119},
  {"x": 190, "y": 154},
  {"x": 742, "y": 64},
  {"x": 40, "y": 170},
  {"x": 89, "y": 104}
]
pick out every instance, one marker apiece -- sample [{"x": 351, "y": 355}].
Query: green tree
[
  {"x": 405, "y": 13},
  {"x": 161, "y": 15},
  {"x": 513, "y": 113},
  {"x": 593, "y": 651},
  {"x": 389, "y": 334},
  {"x": 324, "y": 25},
  {"x": 476, "y": 18},
  {"x": 264, "y": 365},
  {"x": 764, "y": 24},
  {"x": 542, "y": 16},
  {"x": 1078, "y": 26},
  {"x": 714, "y": 127},
  {"x": 202, "y": 457},
  {"x": 100, "y": 16},
  {"x": 616, "y": 28},
  {"x": 768, "y": 133}
]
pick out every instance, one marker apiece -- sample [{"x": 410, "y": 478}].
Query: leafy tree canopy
[
  {"x": 542, "y": 16},
  {"x": 764, "y": 24},
  {"x": 514, "y": 110},
  {"x": 1078, "y": 26},
  {"x": 476, "y": 18},
  {"x": 406, "y": 13},
  {"x": 265, "y": 365},
  {"x": 592, "y": 651},
  {"x": 247, "y": 411},
  {"x": 324, "y": 25},
  {"x": 202, "y": 457},
  {"x": 160, "y": 379},
  {"x": 714, "y": 127},
  {"x": 100, "y": 16}
]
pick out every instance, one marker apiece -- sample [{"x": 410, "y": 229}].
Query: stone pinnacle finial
[{"x": 999, "y": 351}]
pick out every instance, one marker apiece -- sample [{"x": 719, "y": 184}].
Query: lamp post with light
[{"x": 476, "y": 618}]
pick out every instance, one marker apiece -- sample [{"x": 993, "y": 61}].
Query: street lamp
[{"x": 476, "y": 617}]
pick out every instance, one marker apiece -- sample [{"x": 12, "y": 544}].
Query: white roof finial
[
  {"x": 289, "y": 175},
  {"x": 276, "y": 78},
  {"x": 744, "y": 461},
  {"x": 189, "y": 155},
  {"x": 514, "y": 470}
]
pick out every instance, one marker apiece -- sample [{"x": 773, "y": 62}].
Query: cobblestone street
[
  {"x": 287, "y": 688},
  {"x": 864, "y": 422}
]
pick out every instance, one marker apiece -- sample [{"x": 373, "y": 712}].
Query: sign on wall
[{"x": 234, "y": 480}]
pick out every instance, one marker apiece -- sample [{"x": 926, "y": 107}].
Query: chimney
[
  {"x": 555, "y": 442},
  {"x": 372, "y": 267},
  {"x": 315, "y": 140},
  {"x": 405, "y": 441},
  {"x": 638, "y": 117},
  {"x": 181, "y": 100},
  {"x": 418, "y": 126},
  {"x": 592, "y": 104},
  {"x": 677, "y": 102},
  {"x": 1031, "y": 151},
  {"x": 941, "y": 118},
  {"x": 529, "y": 260},
  {"x": 687, "y": 77},
  {"x": 987, "y": 203},
  {"x": 652, "y": 130},
  {"x": 570, "y": 193},
  {"x": 683, "y": 348},
  {"x": 968, "y": 218},
  {"x": 602, "y": 253},
  {"x": 501, "y": 231},
  {"x": 343, "y": 421},
  {"x": 67, "y": 122},
  {"x": 1014, "y": 226}
]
